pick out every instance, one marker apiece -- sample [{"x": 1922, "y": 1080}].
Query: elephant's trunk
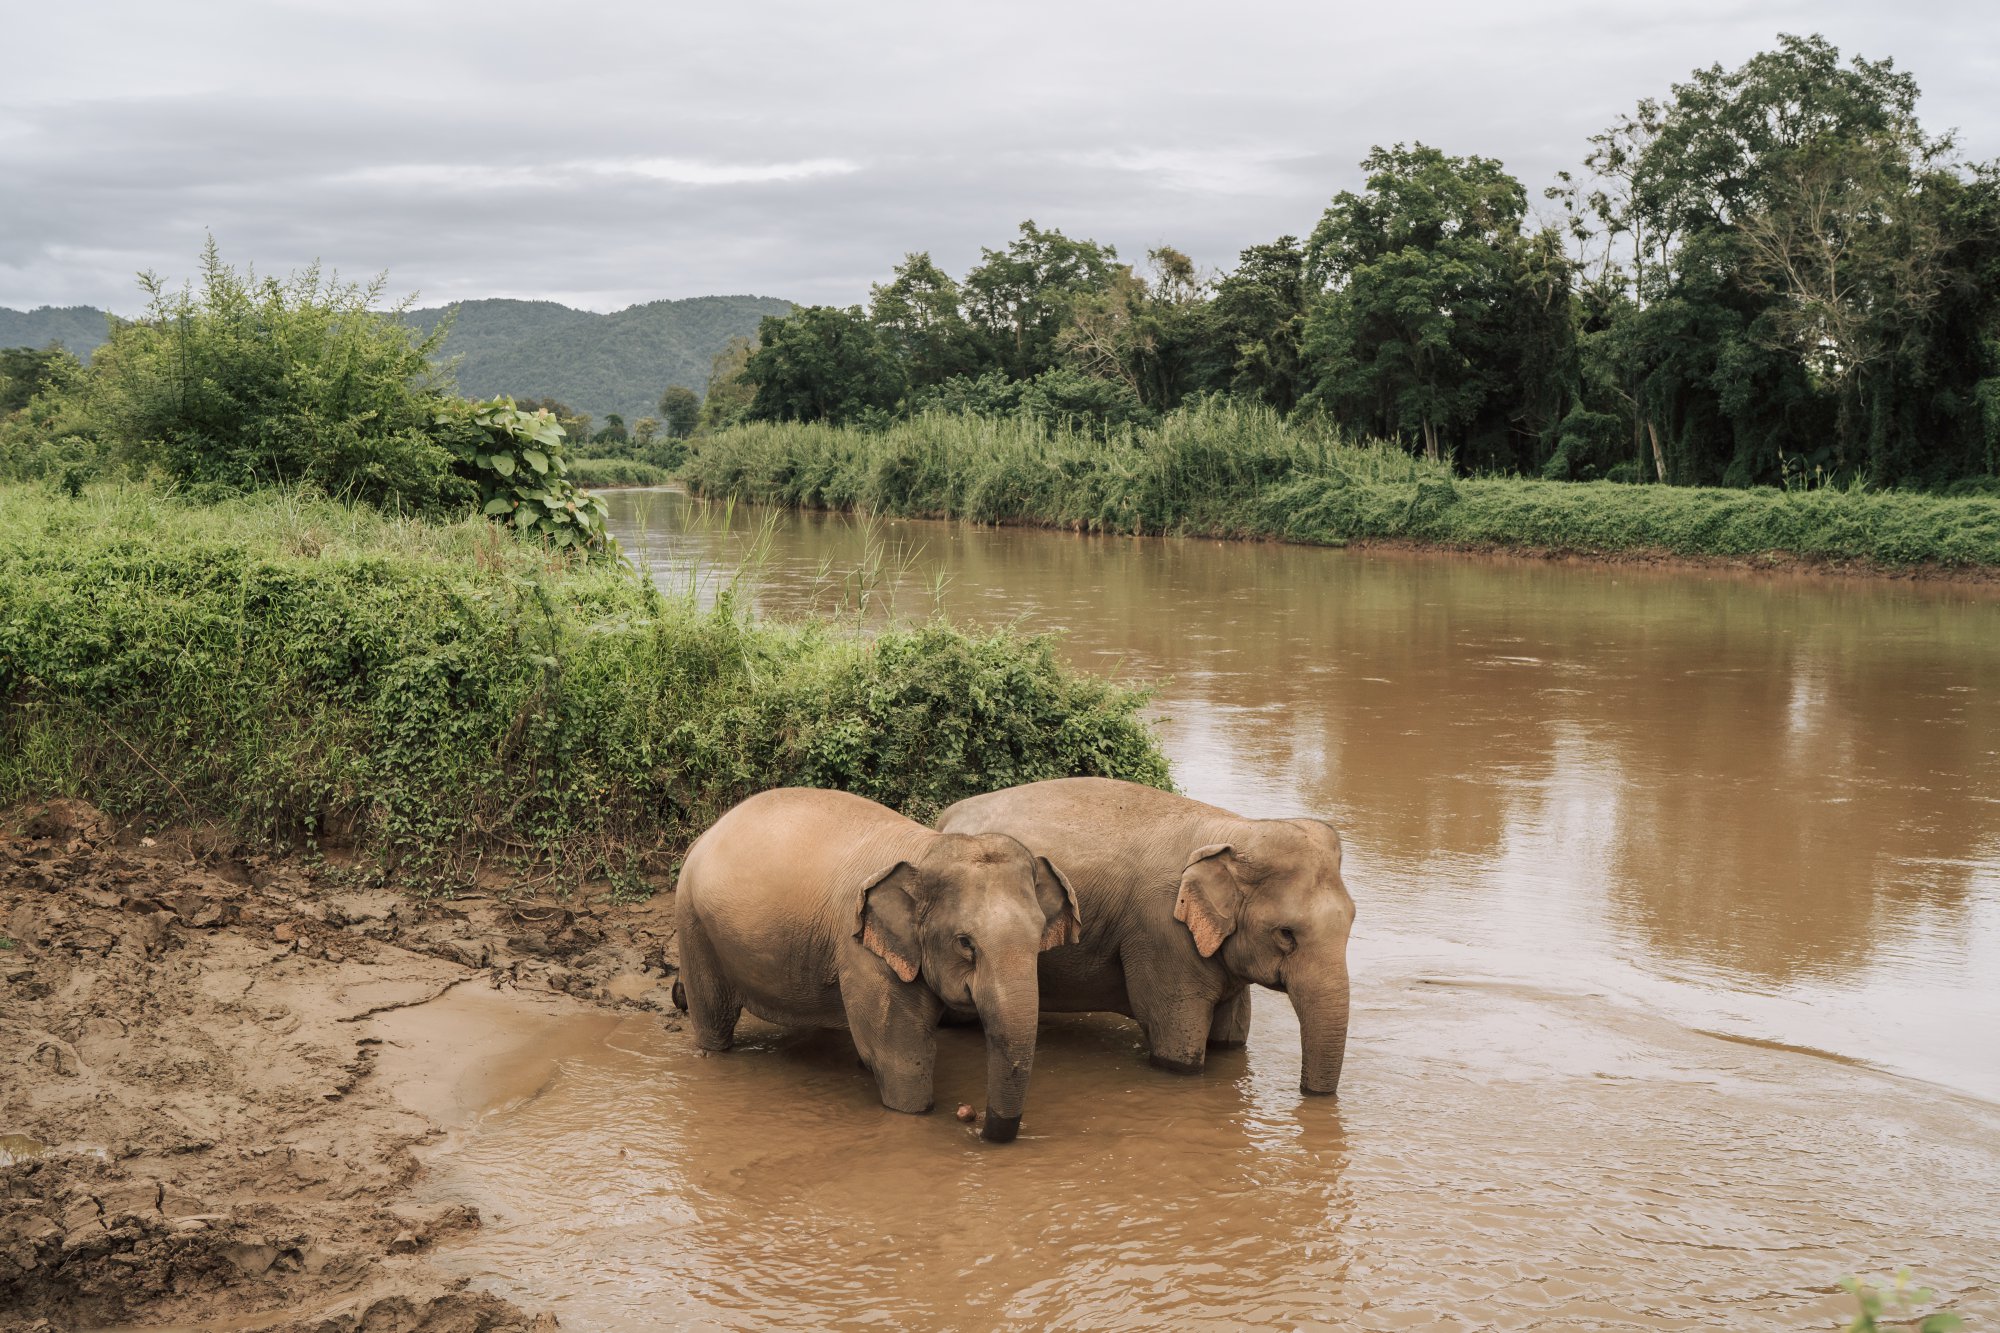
[
  {"x": 1322, "y": 1010},
  {"x": 1008, "y": 1010}
]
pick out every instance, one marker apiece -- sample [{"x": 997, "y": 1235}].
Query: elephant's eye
[
  {"x": 1286, "y": 940},
  {"x": 965, "y": 945}
]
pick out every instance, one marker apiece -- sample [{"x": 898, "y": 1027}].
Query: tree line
[{"x": 1773, "y": 274}]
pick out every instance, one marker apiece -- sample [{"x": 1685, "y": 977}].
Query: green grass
[
  {"x": 298, "y": 669},
  {"x": 616, "y": 472},
  {"x": 1233, "y": 471}
]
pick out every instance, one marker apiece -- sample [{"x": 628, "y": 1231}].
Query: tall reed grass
[{"x": 1233, "y": 470}]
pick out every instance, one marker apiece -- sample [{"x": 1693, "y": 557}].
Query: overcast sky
[{"x": 603, "y": 154}]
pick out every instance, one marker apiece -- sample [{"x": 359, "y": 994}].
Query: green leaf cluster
[{"x": 519, "y": 462}]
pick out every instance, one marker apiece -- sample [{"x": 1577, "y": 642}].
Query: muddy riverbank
[{"x": 220, "y": 1068}]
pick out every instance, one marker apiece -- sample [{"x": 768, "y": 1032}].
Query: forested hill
[
  {"x": 620, "y": 362},
  {"x": 80, "y": 328},
  {"x": 595, "y": 363}
]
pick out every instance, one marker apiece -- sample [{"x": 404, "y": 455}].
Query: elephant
[
  {"x": 822, "y": 909},
  {"x": 1184, "y": 905}
]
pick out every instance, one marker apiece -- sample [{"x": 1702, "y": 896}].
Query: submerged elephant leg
[
  {"x": 894, "y": 1026},
  {"x": 1176, "y": 1032},
  {"x": 712, "y": 1007},
  {"x": 1231, "y": 1025}
]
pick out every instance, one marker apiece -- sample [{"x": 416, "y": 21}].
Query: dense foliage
[
  {"x": 303, "y": 669},
  {"x": 1233, "y": 469},
  {"x": 242, "y": 383},
  {"x": 1773, "y": 274}
]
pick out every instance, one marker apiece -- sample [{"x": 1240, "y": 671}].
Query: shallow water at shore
[{"x": 1676, "y": 970}]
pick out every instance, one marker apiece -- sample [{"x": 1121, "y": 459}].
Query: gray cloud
[{"x": 636, "y": 151}]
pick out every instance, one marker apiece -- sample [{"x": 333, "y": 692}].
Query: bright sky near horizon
[{"x": 610, "y": 153}]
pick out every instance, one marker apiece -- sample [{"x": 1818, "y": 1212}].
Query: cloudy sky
[{"x": 607, "y": 153}]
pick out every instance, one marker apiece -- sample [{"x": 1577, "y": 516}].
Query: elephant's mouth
[{"x": 1277, "y": 983}]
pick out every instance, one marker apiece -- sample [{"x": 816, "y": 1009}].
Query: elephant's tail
[{"x": 680, "y": 996}]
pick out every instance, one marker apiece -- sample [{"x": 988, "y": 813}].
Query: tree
[
  {"x": 1258, "y": 319},
  {"x": 680, "y": 410},
  {"x": 1019, "y": 300},
  {"x": 25, "y": 371},
  {"x": 614, "y": 433},
  {"x": 644, "y": 431},
  {"x": 917, "y": 313},
  {"x": 821, "y": 363},
  {"x": 1423, "y": 274},
  {"x": 726, "y": 399}
]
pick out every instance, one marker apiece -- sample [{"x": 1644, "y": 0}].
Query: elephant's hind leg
[
  {"x": 1231, "y": 1026},
  {"x": 712, "y": 1007}
]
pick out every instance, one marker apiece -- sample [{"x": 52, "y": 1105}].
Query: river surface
[{"x": 1676, "y": 974}]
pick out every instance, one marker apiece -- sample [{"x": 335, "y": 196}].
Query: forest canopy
[{"x": 1771, "y": 274}]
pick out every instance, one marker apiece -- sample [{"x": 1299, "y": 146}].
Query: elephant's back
[{"x": 776, "y": 864}]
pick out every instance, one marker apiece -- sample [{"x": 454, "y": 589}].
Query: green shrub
[
  {"x": 244, "y": 382},
  {"x": 300, "y": 669},
  {"x": 517, "y": 461}
]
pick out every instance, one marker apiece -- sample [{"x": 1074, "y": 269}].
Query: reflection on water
[{"x": 1629, "y": 847}]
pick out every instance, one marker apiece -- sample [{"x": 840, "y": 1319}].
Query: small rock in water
[{"x": 966, "y": 1113}]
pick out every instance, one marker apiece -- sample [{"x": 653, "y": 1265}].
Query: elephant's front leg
[
  {"x": 1177, "y": 1028},
  {"x": 894, "y": 1024},
  {"x": 1230, "y": 1028}
]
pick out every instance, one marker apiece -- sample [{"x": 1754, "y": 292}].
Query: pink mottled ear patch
[
  {"x": 879, "y": 944},
  {"x": 1063, "y": 930},
  {"x": 1208, "y": 932}
]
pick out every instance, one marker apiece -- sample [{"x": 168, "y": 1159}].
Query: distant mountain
[
  {"x": 80, "y": 328},
  {"x": 621, "y": 362}
]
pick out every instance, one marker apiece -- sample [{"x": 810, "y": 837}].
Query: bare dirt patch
[{"x": 216, "y": 1066}]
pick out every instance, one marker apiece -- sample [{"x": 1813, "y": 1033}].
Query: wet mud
[{"x": 218, "y": 1066}]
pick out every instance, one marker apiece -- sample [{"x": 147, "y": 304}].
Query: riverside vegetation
[
  {"x": 1240, "y": 470},
  {"x": 259, "y": 566}
]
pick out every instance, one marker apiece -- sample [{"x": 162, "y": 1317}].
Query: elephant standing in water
[
  {"x": 820, "y": 909},
  {"x": 1183, "y": 905}
]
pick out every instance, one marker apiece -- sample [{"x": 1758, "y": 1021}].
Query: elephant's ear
[
  {"x": 1059, "y": 909},
  {"x": 885, "y": 919},
  {"x": 1210, "y": 897}
]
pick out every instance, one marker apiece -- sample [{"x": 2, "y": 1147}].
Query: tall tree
[
  {"x": 1424, "y": 279},
  {"x": 917, "y": 313},
  {"x": 821, "y": 363},
  {"x": 1020, "y": 299},
  {"x": 680, "y": 410}
]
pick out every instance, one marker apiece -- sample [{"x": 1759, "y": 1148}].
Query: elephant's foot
[
  {"x": 1227, "y": 1043},
  {"x": 1000, "y": 1128},
  {"x": 1173, "y": 1066}
]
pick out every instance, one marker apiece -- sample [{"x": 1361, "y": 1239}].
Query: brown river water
[{"x": 1676, "y": 975}]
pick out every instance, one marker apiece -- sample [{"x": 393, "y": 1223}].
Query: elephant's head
[
  {"x": 970, "y": 917},
  {"x": 1272, "y": 905}
]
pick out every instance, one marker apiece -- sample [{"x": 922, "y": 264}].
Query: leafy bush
[
  {"x": 301, "y": 669},
  {"x": 246, "y": 382},
  {"x": 517, "y": 461}
]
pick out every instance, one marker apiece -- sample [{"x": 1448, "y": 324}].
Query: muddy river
[{"x": 1676, "y": 975}]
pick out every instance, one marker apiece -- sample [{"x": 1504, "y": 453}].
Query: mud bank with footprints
[{"x": 221, "y": 1069}]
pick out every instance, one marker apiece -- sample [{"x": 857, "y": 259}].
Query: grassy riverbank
[
  {"x": 601, "y": 472},
  {"x": 1232, "y": 471},
  {"x": 299, "y": 669}
]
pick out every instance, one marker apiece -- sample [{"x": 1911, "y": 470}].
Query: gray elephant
[
  {"x": 1183, "y": 905},
  {"x": 820, "y": 909}
]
